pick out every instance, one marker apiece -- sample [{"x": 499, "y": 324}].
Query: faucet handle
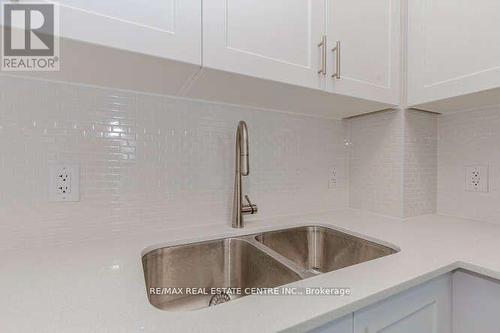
[
  {"x": 248, "y": 200},
  {"x": 250, "y": 208}
]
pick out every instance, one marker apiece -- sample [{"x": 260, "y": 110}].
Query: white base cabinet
[
  {"x": 426, "y": 308},
  {"x": 342, "y": 325},
  {"x": 422, "y": 309},
  {"x": 457, "y": 302},
  {"x": 476, "y": 303}
]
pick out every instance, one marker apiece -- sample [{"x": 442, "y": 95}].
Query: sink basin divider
[{"x": 304, "y": 274}]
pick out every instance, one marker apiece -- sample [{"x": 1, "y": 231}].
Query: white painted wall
[
  {"x": 151, "y": 162},
  {"x": 469, "y": 138}
]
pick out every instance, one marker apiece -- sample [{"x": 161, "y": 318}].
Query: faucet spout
[
  {"x": 242, "y": 168},
  {"x": 242, "y": 137}
]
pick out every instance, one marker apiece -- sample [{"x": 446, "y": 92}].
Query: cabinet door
[
  {"x": 476, "y": 301},
  {"x": 423, "y": 309},
  {"x": 453, "y": 48},
  {"x": 167, "y": 28},
  {"x": 273, "y": 39},
  {"x": 342, "y": 325},
  {"x": 369, "y": 35}
]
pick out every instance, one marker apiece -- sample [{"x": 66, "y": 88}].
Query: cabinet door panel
[
  {"x": 422, "y": 309},
  {"x": 453, "y": 48},
  {"x": 168, "y": 29},
  {"x": 273, "y": 39},
  {"x": 369, "y": 35},
  {"x": 342, "y": 325},
  {"x": 476, "y": 300}
]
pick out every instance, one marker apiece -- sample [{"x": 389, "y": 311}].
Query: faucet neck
[{"x": 242, "y": 168}]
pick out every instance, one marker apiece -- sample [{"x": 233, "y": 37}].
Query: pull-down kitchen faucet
[{"x": 242, "y": 168}]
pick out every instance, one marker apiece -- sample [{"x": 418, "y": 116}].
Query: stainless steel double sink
[{"x": 263, "y": 260}]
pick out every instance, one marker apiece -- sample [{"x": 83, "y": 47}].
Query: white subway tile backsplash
[
  {"x": 375, "y": 162},
  {"x": 420, "y": 163},
  {"x": 150, "y": 161},
  {"x": 393, "y": 162},
  {"x": 466, "y": 139}
]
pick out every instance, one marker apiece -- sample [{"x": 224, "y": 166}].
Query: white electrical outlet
[
  {"x": 64, "y": 182},
  {"x": 332, "y": 178},
  {"x": 476, "y": 178}
]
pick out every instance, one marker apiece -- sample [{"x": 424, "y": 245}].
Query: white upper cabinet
[
  {"x": 453, "y": 50},
  {"x": 367, "y": 62},
  {"x": 291, "y": 41},
  {"x": 255, "y": 53},
  {"x": 272, "y": 39},
  {"x": 169, "y": 28}
]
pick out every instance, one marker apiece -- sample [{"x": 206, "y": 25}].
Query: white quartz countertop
[{"x": 99, "y": 286}]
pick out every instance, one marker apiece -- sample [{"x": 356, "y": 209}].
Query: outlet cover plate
[
  {"x": 476, "y": 178},
  {"x": 64, "y": 182}
]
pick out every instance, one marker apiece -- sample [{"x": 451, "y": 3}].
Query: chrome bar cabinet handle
[
  {"x": 323, "y": 47},
  {"x": 336, "y": 50}
]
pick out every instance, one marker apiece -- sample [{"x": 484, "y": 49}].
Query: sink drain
[{"x": 219, "y": 299}]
